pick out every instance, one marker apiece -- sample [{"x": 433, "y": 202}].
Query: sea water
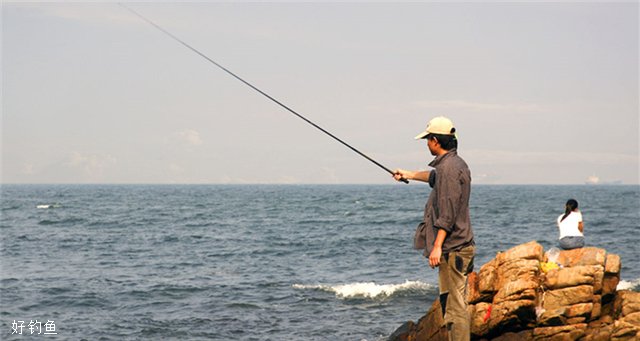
[{"x": 263, "y": 262}]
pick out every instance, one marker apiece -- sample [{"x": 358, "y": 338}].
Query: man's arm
[
  {"x": 400, "y": 174},
  {"x": 436, "y": 253}
]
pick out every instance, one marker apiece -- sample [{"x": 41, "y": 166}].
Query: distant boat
[{"x": 592, "y": 180}]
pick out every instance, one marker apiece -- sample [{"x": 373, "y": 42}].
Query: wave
[
  {"x": 370, "y": 289},
  {"x": 46, "y": 206},
  {"x": 373, "y": 290},
  {"x": 629, "y": 285},
  {"x": 68, "y": 221}
]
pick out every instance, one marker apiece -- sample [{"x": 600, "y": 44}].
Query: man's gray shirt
[{"x": 448, "y": 204}]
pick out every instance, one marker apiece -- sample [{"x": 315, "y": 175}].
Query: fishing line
[{"x": 256, "y": 89}]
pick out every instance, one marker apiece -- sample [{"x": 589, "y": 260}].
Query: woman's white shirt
[{"x": 569, "y": 226}]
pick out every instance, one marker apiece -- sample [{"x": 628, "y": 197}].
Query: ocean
[{"x": 258, "y": 262}]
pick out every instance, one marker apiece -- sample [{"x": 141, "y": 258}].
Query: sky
[{"x": 540, "y": 93}]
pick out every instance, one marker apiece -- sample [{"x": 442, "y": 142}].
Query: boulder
[
  {"x": 612, "y": 264},
  {"x": 530, "y": 250},
  {"x": 552, "y": 317},
  {"x": 480, "y": 314},
  {"x": 582, "y": 256},
  {"x": 512, "y": 298},
  {"x": 429, "y": 327},
  {"x": 624, "y": 331},
  {"x": 567, "y": 296},
  {"x": 598, "y": 332},
  {"x": 403, "y": 332},
  {"x": 569, "y": 277},
  {"x": 626, "y": 303},
  {"x": 517, "y": 289},
  {"x": 598, "y": 279},
  {"x": 526, "y": 270},
  {"x": 610, "y": 283},
  {"x": 597, "y": 307},
  {"x": 487, "y": 285},
  {"x": 512, "y": 316},
  {"x": 473, "y": 288},
  {"x": 509, "y": 336},
  {"x": 569, "y": 333}
]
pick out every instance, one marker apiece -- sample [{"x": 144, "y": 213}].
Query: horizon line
[{"x": 290, "y": 184}]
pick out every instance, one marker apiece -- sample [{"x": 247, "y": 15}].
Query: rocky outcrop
[{"x": 527, "y": 294}]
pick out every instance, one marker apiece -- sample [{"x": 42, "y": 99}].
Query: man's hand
[
  {"x": 434, "y": 257},
  {"x": 401, "y": 174},
  {"x": 436, "y": 253}
]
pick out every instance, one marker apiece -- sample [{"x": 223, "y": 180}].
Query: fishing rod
[{"x": 258, "y": 90}]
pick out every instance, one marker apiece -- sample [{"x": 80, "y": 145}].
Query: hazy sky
[{"x": 541, "y": 93}]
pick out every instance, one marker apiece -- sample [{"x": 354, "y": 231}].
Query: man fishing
[{"x": 449, "y": 237}]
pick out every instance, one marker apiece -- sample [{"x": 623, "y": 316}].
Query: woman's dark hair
[
  {"x": 571, "y": 205},
  {"x": 447, "y": 142}
]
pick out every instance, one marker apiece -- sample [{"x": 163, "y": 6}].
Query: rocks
[
  {"x": 530, "y": 250},
  {"x": 612, "y": 264},
  {"x": 571, "y": 332},
  {"x": 568, "y": 277},
  {"x": 487, "y": 282},
  {"x": 402, "y": 333},
  {"x": 565, "y": 297},
  {"x": 582, "y": 256},
  {"x": 511, "y": 298}
]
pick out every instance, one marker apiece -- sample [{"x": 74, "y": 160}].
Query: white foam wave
[
  {"x": 367, "y": 289},
  {"x": 46, "y": 206},
  {"x": 628, "y": 285}
]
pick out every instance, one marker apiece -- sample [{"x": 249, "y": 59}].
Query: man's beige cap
[{"x": 439, "y": 125}]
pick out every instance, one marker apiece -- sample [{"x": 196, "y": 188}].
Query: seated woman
[{"x": 571, "y": 227}]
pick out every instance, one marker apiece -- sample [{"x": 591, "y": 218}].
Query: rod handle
[{"x": 402, "y": 179}]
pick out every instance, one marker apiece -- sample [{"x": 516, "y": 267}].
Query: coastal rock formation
[{"x": 527, "y": 294}]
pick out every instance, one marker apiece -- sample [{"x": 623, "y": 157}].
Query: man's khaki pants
[{"x": 453, "y": 284}]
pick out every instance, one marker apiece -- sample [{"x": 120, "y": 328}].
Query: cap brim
[{"x": 421, "y": 135}]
